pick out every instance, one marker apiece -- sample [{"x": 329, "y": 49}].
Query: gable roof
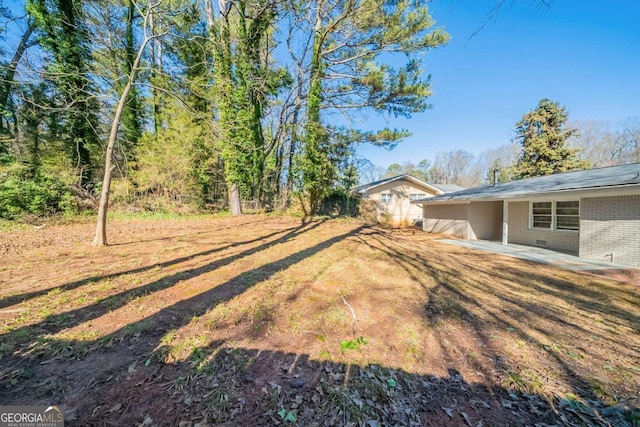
[
  {"x": 362, "y": 189},
  {"x": 613, "y": 176}
]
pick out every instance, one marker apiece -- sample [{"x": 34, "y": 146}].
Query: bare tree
[
  {"x": 451, "y": 167},
  {"x": 100, "y": 238},
  {"x": 631, "y": 140},
  {"x": 501, "y": 158},
  {"x": 606, "y": 143},
  {"x": 368, "y": 172}
]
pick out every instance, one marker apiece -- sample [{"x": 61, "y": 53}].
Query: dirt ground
[{"x": 269, "y": 320}]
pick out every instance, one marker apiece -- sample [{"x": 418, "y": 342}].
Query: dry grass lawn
[{"x": 265, "y": 320}]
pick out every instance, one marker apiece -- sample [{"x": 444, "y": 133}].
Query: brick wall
[
  {"x": 611, "y": 225},
  {"x": 519, "y": 233}
]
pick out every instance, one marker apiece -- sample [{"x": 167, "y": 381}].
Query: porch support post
[{"x": 505, "y": 222}]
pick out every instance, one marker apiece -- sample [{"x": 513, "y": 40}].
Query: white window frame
[
  {"x": 554, "y": 216},
  {"x": 416, "y": 196},
  {"x": 386, "y": 198},
  {"x": 550, "y": 214}
]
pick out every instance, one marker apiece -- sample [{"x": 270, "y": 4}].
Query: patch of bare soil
[{"x": 265, "y": 320}]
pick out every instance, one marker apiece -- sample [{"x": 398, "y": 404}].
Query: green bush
[
  {"x": 339, "y": 203},
  {"x": 42, "y": 195}
]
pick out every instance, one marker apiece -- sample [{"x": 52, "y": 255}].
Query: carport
[{"x": 469, "y": 220}]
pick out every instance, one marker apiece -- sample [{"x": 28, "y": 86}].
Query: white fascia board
[
  {"x": 409, "y": 178},
  {"x": 443, "y": 202},
  {"x": 618, "y": 190},
  {"x": 569, "y": 194}
]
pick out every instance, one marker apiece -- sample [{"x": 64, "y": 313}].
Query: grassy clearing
[{"x": 266, "y": 319}]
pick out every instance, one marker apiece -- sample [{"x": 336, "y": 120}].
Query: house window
[
  {"x": 414, "y": 197},
  {"x": 386, "y": 197},
  {"x": 568, "y": 215},
  {"x": 556, "y": 215},
  {"x": 541, "y": 213}
]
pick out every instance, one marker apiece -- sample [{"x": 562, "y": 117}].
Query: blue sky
[{"x": 585, "y": 54}]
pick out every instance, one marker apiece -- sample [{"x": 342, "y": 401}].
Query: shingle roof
[
  {"x": 366, "y": 187},
  {"x": 613, "y": 176},
  {"x": 362, "y": 188},
  {"x": 449, "y": 188}
]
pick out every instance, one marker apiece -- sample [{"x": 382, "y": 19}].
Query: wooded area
[
  {"x": 200, "y": 103},
  {"x": 185, "y": 104}
]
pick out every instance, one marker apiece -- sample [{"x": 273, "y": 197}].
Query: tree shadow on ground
[
  {"x": 157, "y": 325},
  {"x": 125, "y": 380},
  {"x": 64, "y": 320},
  {"x": 225, "y": 385},
  {"x": 287, "y": 234},
  {"x": 189, "y": 235},
  {"x": 522, "y": 302}
]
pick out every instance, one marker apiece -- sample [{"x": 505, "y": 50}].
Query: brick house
[
  {"x": 390, "y": 200},
  {"x": 592, "y": 213}
]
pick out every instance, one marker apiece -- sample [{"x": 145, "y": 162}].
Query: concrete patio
[{"x": 555, "y": 258}]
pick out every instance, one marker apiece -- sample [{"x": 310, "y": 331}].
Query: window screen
[
  {"x": 542, "y": 214},
  {"x": 568, "y": 215}
]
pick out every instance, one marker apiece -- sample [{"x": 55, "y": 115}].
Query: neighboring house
[
  {"x": 592, "y": 213},
  {"x": 389, "y": 200}
]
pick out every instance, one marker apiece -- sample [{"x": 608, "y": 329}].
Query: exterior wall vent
[{"x": 541, "y": 242}]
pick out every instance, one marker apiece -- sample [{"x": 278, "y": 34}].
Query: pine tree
[
  {"x": 543, "y": 136},
  {"x": 348, "y": 72}
]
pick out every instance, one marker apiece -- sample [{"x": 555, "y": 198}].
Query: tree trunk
[
  {"x": 100, "y": 238},
  {"x": 234, "y": 200},
  {"x": 291, "y": 153},
  {"x": 131, "y": 116},
  {"x": 315, "y": 162},
  {"x": 156, "y": 71},
  {"x": 210, "y": 16},
  {"x": 5, "y": 89}
]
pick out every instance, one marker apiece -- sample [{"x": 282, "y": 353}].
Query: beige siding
[
  {"x": 477, "y": 220},
  {"x": 400, "y": 210},
  {"x": 611, "y": 225},
  {"x": 448, "y": 219},
  {"x": 485, "y": 220},
  {"x": 519, "y": 232}
]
